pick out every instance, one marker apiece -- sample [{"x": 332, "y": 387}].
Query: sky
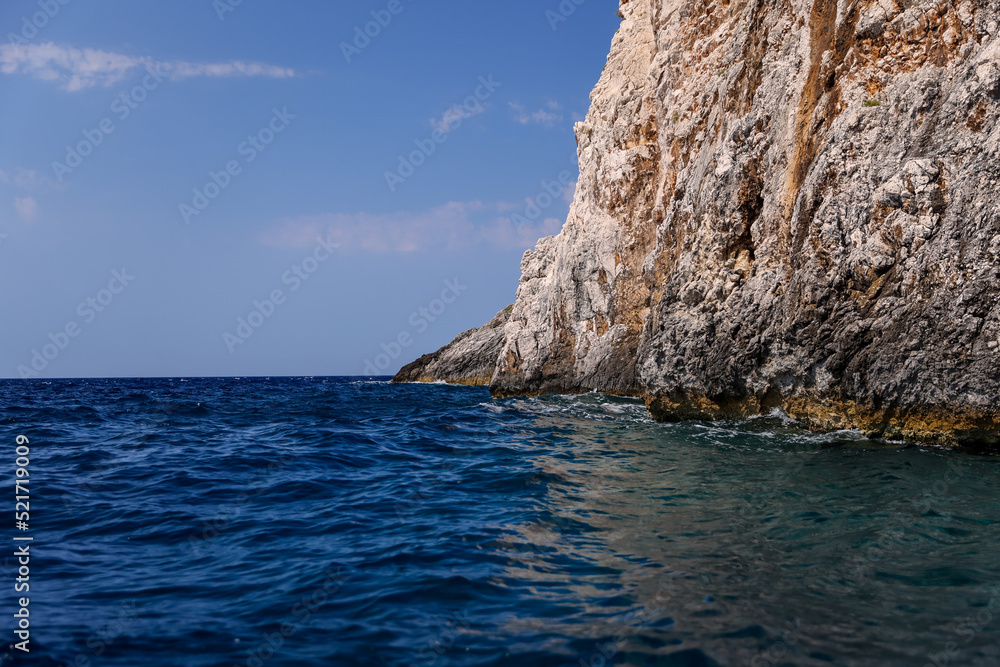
[{"x": 262, "y": 188}]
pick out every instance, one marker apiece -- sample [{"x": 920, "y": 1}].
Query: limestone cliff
[{"x": 782, "y": 204}]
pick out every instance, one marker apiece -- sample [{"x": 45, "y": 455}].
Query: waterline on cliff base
[{"x": 804, "y": 217}]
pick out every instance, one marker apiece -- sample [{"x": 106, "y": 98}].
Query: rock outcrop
[
  {"x": 470, "y": 359},
  {"x": 784, "y": 204}
]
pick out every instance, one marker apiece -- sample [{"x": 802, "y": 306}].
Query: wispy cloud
[
  {"x": 547, "y": 116},
  {"x": 455, "y": 115},
  {"x": 452, "y": 226},
  {"x": 78, "y": 69},
  {"x": 27, "y": 208}
]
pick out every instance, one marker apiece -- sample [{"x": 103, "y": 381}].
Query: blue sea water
[{"x": 343, "y": 521}]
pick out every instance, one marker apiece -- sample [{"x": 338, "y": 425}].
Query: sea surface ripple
[{"x": 346, "y": 521}]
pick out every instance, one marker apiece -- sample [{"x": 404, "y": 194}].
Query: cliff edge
[
  {"x": 470, "y": 359},
  {"x": 781, "y": 204}
]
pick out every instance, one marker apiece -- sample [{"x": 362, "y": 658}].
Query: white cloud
[
  {"x": 455, "y": 115},
  {"x": 77, "y": 69},
  {"x": 298, "y": 233},
  {"x": 452, "y": 226},
  {"x": 546, "y": 116},
  {"x": 182, "y": 70},
  {"x": 27, "y": 208}
]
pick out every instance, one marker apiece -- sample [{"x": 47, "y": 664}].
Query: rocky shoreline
[{"x": 792, "y": 205}]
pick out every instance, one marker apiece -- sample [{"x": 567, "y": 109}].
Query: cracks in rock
[
  {"x": 811, "y": 120},
  {"x": 750, "y": 204}
]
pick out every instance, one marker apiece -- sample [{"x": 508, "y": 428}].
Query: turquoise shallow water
[{"x": 338, "y": 521}]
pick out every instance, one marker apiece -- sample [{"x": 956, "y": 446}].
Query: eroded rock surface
[
  {"x": 784, "y": 204},
  {"x": 470, "y": 359}
]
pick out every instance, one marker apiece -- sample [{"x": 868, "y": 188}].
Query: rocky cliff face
[{"x": 782, "y": 204}]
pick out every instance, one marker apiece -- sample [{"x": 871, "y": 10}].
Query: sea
[{"x": 354, "y": 522}]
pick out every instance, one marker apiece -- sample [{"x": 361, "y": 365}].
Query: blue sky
[{"x": 166, "y": 168}]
